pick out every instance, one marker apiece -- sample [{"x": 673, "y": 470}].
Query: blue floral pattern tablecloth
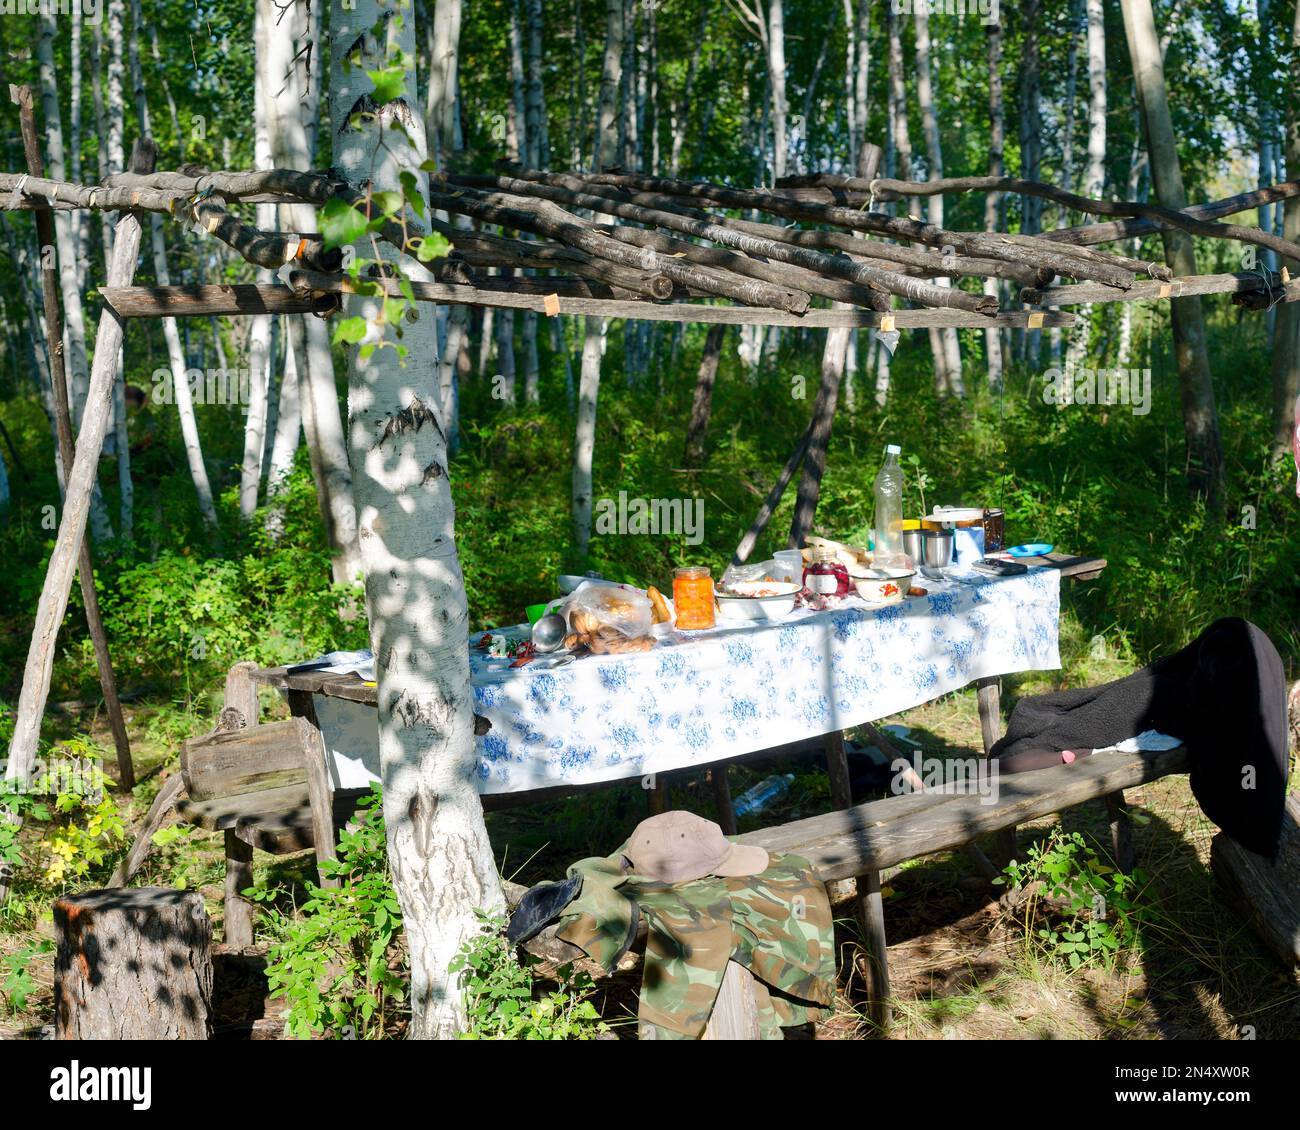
[{"x": 707, "y": 696}]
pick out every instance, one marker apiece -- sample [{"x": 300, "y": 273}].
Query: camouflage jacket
[{"x": 777, "y": 924}]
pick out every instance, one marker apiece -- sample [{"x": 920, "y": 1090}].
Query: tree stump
[{"x": 132, "y": 965}]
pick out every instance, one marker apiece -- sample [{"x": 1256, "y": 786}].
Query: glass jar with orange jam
[{"x": 693, "y": 597}]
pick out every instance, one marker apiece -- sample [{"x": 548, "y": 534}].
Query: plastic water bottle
[
  {"x": 889, "y": 507},
  {"x": 761, "y": 795}
]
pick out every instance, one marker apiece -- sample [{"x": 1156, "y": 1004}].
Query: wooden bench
[
  {"x": 263, "y": 786},
  {"x": 863, "y": 841}
]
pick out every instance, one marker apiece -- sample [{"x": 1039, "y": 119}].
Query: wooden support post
[
  {"x": 319, "y": 793},
  {"x": 871, "y": 914},
  {"x": 80, "y": 482},
  {"x": 240, "y": 708},
  {"x": 161, "y": 808},
  {"x": 238, "y": 923},
  {"x": 735, "y": 1010},
  {"x": 1121, "y": 832},
  {"x": 989, "y": 693},
  {"x": 722, "y": 798},
  {"x": 132, "y": 965},
  {"x": 656, "y": 793},
  {"x": 837, "y": 767},
  {"x": 22, "y": 95},
  {"x": 302, "y": 706}
]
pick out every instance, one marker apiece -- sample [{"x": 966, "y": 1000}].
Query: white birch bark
[
  {"x": 585, "y": 441},
  {"x": 944, "y": 343},
  {"x": 776, "y": 78},
  {"x": 290, "y": 149},
  {"x": 259, "y": 330},
  {"x": 76, "y": 364},
  {"x": 442, "y": 78},
  {"x": 438, "y": 850},
  {"x": 288, "y": 428},
  {"x": 1094, "y": 180},
  {"x": 74, "y": 320},
  {"x": 993, "y": 351}
]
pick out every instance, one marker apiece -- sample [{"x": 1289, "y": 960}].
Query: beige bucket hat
[{"x": 676, "y": 847}]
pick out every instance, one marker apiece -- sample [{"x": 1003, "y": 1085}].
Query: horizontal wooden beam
[
  {"x": 1239, "y": 283},
  {"x": 315, "y": 293},
  {"x": 203, "y": 301}
]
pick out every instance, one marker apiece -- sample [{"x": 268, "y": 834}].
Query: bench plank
[
  {"x": 248, "y": 760},
  {"x": 875, "y": 835},
  {"x": 1266, "y": 892}
]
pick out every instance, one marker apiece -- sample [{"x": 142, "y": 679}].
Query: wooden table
[{"x": 299, "y": 688}]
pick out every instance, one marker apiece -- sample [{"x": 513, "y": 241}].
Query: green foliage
[
  {"x": 338, "y": 964},
  {"x": 499, "y": 993},
  {"x": 17, "y": 984},
  {"x": 1090, "y": 912}
]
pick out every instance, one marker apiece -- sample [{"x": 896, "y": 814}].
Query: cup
[
  {"x": 789, "y": 565},
  {"x": 937, "y": 547},
  {"x": 914, "y": 544},
  {"x": 967, "y": 544}
]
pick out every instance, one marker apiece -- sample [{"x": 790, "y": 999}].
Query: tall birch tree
[
  {"x": 438, "y": 850},
  {"x": 1200, "y": 415},
  {"x": 291, "y": 148}
]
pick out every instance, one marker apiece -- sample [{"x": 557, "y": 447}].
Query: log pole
[
  {"x": 22, "y": 95},
  {"x": 72, "y": 525}
]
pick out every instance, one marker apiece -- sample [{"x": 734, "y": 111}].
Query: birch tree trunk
[
  {"x": 1286, "y": 334},
  {"x": 534, "y": 126},
  {"x": 1094, "y": 180},
  {"x": 74, "y": 321},
  {"x": 259, "y": 330},
  {"x": 438, "y": 850},
  {"x": 322, "y": 419},
  {"x": 585, "y": 441},
  {"x": 1031, "y": 143},
  {"x": 776, "y": 81},
  {"x": 606, "y": 147},
  {"x": 1200, "y": 416},
  {"x": 606, "y": 153},
  {"x": 288, "y": 426},
  {"x": 993, "y": 201},
  {"x": 69, "y": 289},
  {"x": 943, "y": 342},
  {"x": 442, "y": 78}
]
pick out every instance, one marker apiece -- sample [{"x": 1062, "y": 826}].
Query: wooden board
[
  {"x": 243, "y": 761},
  {"x": 872, "y": 836},
  {"x": 1267, "y": 892}
]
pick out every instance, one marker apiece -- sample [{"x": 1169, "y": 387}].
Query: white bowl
[
  {"x": 757, "y": 600},
  {"x": 883, "y": 585}
]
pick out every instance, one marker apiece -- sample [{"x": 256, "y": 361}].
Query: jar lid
[
  {"x": 823, "y": 553},
  {"x": 691, "y": 572}
]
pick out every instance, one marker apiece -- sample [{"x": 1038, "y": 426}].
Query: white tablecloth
[{"x": 707, "y": 696}]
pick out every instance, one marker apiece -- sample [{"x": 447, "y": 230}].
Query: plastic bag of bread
[{"x": 601, "y": 608}]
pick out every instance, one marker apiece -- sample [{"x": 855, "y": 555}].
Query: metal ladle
[{"x": 549, "y": 632}]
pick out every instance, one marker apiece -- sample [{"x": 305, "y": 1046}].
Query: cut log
[
  {"x": 1267, "y": 892},
  {"x": 133, "y": 965}
]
